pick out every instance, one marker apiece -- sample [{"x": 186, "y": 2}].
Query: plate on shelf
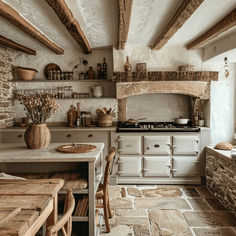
[{"x": 51, "y": 66}]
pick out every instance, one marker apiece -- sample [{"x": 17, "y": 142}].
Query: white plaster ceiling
[{"x": 99, "y": 19}]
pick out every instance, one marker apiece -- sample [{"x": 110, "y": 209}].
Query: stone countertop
[
  {"x": 64, "y": 128},
  {"x": 223, "y": 153},
  {"x": 15, "y": 152}
]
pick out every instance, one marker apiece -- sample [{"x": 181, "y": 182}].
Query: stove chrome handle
[
  {"x": 120, "y": 150},
  {"x": 119, "y": 139}
]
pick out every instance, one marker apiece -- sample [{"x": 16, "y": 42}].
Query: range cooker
[
  {"x": 156, "y": 126},
  {"x": 157, "y": 153}
]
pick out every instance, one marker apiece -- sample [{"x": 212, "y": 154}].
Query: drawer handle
[
  {"x": 90, "y": 136},
  {"x": 156, "y": 145},
  {"x": 19, "y": 136},
  {"x": 68, "y": 135}
]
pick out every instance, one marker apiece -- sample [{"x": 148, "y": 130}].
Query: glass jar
[
  {"x": 50, "y": 74},
  {"x": 87, "y": 118}
]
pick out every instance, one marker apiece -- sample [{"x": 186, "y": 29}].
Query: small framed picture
[{"x": 141, "y": 67}]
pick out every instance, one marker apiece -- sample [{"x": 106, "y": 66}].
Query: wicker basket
[
  {"x": 104, "y": 120},
  {"x": 25, "y": 73}
]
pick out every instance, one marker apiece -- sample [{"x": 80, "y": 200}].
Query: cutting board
[{"x": 76, "y": 148}]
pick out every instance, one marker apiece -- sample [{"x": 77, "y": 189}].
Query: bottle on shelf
[
  {"x": 104, "y": 68},
  {"x": 91, "y": 73}
]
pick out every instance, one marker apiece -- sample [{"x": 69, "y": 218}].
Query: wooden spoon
[{"x": 104, "y": 110}]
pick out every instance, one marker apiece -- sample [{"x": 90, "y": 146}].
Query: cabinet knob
[
  {"x": 68, "y": 135},
  {"x": 90, "y": 136},
  {"x": 19, "y": 136},
  {"x": 147, "y": 148}
]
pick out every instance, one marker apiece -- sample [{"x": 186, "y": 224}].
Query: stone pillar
[
  {"x": 221, "y": 178},
  {"x": 7, "y": 109}
]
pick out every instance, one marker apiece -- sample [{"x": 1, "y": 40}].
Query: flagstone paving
[{"x": 158, "y": 210}]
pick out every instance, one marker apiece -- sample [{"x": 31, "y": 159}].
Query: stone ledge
[
  {"x": 206, "y": 76},
  {"x": 196, "y": 89},
  {"x": 226, "y": 155}
]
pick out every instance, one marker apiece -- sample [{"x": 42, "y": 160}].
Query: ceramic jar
[
  {"x": 127, "y": 66},
  {"x": 97, "y": 91}
]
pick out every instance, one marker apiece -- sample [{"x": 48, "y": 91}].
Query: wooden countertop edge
[{"x": 63, "y": 128}]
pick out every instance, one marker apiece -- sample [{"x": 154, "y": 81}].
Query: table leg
[
  {"x": 52, "y": 219},
  {"x": 91, "y": 181}
]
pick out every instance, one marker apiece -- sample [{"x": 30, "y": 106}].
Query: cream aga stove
[{"x": 151, "y": 153}]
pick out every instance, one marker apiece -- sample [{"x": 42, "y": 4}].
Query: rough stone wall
[
  {"x": 7, "y": 109},
  {"x": 221, "y": 178}
]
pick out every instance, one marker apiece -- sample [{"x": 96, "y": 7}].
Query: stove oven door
[
  {"x": 159, "y": 145},
  {"x": 129, "y": 145},
  {"x": 185, "y": 167},
  {"x": 157, "y": 166},
  {"x": 129, "y": 166},
  {"x": 186, "y": 145}
]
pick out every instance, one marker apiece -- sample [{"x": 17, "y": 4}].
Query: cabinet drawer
[
  {"x": 156, "y": 166},
  {"x": 129, "y": 145},
  {"x": 129, "y": 166},
  {"x": 186, "y": 145},
  {"x": 185, "y": 167},
  {"x": 13, "y": 137},
  {"x": 159, "y": 145}
]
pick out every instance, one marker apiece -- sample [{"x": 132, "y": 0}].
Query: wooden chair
[
  {"x": 102, "y": 194},
  {"x": 65, "y": 223}
]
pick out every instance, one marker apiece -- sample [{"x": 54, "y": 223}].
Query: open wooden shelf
[{"x": 59, "y": 81}]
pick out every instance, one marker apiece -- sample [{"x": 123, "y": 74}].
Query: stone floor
[{"x": 167, "y": 210}]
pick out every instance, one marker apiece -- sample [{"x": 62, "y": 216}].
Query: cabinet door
[
  {"x": 129, "y": 166},
  {"x": 157, "y": 145},
  {"x": 129, "y": 145},
  {"x": 185, "y": 145},
  {"x": 157, "y": 166},
  {"x": 13, "y": 137},
  {"x": 185, "y": 167}
]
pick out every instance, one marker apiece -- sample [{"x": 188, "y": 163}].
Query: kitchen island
[{"x": 18, "y": 153}]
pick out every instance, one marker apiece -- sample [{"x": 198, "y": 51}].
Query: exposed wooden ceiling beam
[
  {"x": 124, "y": 11},
  {"x": 221, "y": 26},
  {"x": 68, "y": 20},
  {"x": 11, "y": 44},
  {"x": 14, "y": 18},
  {"x": 185, "y": 10}
]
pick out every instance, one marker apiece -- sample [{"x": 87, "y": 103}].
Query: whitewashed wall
[{"x": 221, "y": 107}]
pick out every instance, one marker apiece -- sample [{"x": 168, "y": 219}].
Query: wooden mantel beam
[
  {"x": 11, "y": 44},
  {"x": 124, "y": 11},
  {"x": 221, "y": 26},
  {"x": 14, "y": 18},
  {"x": 68, "y": 20},
  {"x": 185, "y": 10}
]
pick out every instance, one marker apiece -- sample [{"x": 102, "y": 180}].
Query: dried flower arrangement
[{"x": 39, "y": 107}]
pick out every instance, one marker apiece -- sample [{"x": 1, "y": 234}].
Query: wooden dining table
[{"x": 25, "y": 205}]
